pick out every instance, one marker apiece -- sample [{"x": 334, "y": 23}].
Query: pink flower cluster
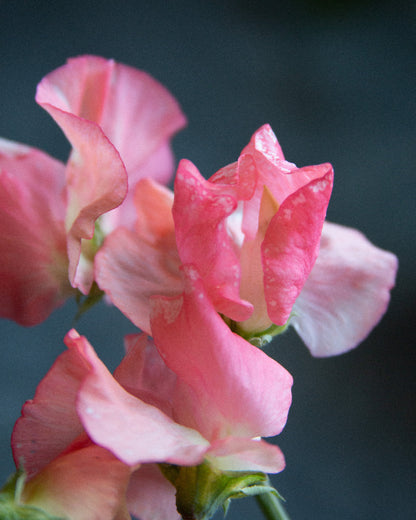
[{"x": 210, "y": 271}]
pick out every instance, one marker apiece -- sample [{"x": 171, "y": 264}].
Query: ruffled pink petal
[
  {"x": 34, "y": 263},
  {"x": 150, "y": 496},
  {"x": 237, "y": 454},
  {"x": 115, "y": 117},
  {"x": 228, "y": 386},
  {"x": 346, "y": 293},
  {"x": 291, "y": 245},
  {"x": 107, "y": 110},
  {"x": 88, "y": 484},
  {"x": 133, "y": 430},
  {"x": 200, "y": 210},
  {"x": 281, "y": 177},
  {"x": 49, "y": 423},
  {"x": 136, "y": 113},
  {"x": 96, "y": 176}
]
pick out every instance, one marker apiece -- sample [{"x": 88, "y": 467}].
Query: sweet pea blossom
[
  {"x": 53, "y": 217},
  {"x": 256, "y": 234},
  {"x": 203, "y": 394}
]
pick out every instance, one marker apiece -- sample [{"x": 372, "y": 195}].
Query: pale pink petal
[
  {"x": 346, "y": 293},
  {"x": 132, "y": 266},
  {"x": 237, "y": 454},
  {"x": 34, "y": 263},
  {"x": 139, "y": 117},
  {"x": 88, "y": 484},
  {"x": 291, "y": 245},
  {"x": 150, "y": 496},
  {"x": 130, "y": 271},
  {"x": 158, "y": 167},
  {"x": 143, "y": 373},
  {"x": 252, "y": 286},
  {"x": 154, "y": 219},
  {"x": 49, "y": 422},
  {"x": 200, "y": 210},
  {"x": 229, "y": 387},
  {"x": 133, "y": 430}
]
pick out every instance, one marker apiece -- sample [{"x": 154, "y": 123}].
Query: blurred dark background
[{"x": 336, "y": 80}]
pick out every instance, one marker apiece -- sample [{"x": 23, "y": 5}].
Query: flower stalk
[{"x": 271, "y": 506}]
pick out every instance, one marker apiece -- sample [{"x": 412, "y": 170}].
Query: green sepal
[
  {"x": 11, "y": 507},
  {"x": 85, "y": 303},
  {"x": 202, "y": 489},
  {"x": 257, "y": 338}
]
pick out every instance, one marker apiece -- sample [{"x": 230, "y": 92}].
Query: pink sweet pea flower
[
  {"x": 119, "y": 121},
  {"x": 253, "y": 231},
  {"x": 218, "y": 397}
]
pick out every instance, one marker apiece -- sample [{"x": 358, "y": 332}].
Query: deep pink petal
[
  {"x": 281, "y": 177},
  {"x": 291, "y": 245},
  {"x": 49, "y": 423},
  {"x": 88, "y": 484},
  {"x": 200, "y": 210},
  {"x": 229, "y": 387},
  {"x": 346, "y": 293},
  {"x": 34, "y": 263},
  {"x": 133, "y": 430},
  {"x": 237, "y": 454},
  {"x": 150, "y": 496}
]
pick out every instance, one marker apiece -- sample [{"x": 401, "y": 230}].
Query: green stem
[{"x": 271, "y": 507}]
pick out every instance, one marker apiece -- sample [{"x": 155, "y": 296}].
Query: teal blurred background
[{"x": 336, "y": 80}]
